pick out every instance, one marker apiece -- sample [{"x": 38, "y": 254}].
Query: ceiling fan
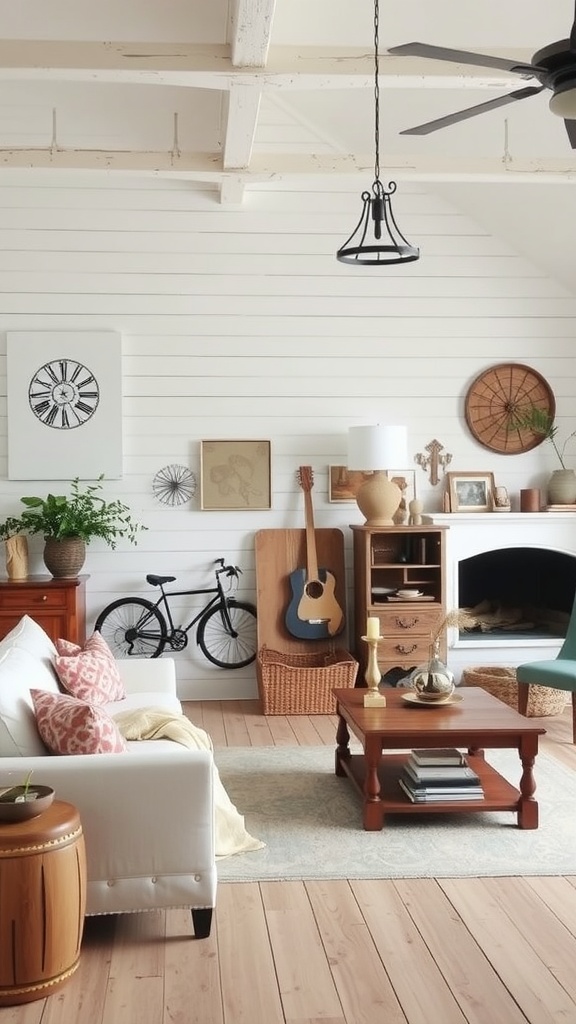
[{"x": 554, "y": 67}]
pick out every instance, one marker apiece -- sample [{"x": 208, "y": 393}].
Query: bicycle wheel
[
  {"x": 219, "y": 645},
  {"x": 133, "y": 628}
]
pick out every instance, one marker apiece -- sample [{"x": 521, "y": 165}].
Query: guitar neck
[{"x": 311, "y": 556}]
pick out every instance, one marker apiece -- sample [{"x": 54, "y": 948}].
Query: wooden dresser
[
  {"x": 385, "y": 560},
  {"x": 58, "y": 605}
]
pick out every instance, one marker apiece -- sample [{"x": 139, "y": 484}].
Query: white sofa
[{"x": 147, "y": 814}]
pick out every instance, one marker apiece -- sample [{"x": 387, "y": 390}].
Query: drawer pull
[
  {"x": 44, "y": 597},
  {"x": 404, "y": 649},
  {"x": 407, "y": 623}
]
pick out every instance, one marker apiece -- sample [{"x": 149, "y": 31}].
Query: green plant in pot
[
  {"x": 69, "y": 522},
  {"x": 562, "y": 483}
]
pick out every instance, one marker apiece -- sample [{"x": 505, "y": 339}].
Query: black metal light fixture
[{"x": 377, "y": 239}]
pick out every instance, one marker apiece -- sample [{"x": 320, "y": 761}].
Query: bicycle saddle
[{"x": 157, "y": 581}]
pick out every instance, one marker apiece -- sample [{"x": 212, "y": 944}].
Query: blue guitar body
[{"x": 313, "y": 612}]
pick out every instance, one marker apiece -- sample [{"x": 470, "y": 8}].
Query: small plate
[
  {"x": 409, "y": 593},
  {"x": 413, "y": 698}
]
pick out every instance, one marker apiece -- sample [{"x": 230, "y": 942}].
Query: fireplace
[
  {"x": 520, "y": 565},
  {"x": 522, "y": 592}
]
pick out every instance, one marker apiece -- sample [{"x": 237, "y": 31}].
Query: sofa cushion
[
  {"x": 89, "y": 673},
  {"x": 71, "y": 726},
  {"x": 29, "y": 636},
  {"x": 20, "y": 671}
]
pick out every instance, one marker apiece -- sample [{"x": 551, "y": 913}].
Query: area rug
[{"x": 311, "y": 823}]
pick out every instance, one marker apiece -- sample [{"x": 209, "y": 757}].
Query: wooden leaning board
[{"x": 278, "y": 553}]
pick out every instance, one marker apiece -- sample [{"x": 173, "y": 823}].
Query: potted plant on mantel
[
  {"x": 69, "y": 522},
  {"x": 562, "y": 483}
]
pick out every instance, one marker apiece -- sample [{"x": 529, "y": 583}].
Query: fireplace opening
[{"x": 527, "y": 592}]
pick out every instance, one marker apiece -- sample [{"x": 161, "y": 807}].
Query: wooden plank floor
[{"x": 414, "y": 951}]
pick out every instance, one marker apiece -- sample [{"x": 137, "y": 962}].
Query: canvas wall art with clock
[{"x": 64, "y": 393}]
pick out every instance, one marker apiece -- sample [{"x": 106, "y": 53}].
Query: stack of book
[{"x": 439, "y": 775}]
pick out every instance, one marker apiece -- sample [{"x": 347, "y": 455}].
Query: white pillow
[
  {"x": 30, "y": 636},
  {"x": 20, "y": 672}
]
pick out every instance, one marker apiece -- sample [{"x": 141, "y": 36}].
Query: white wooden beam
[
  {"x": 209, "y": 168},
  {"x": 211, "y": 67},
  {"x": 251, "y": 29}
]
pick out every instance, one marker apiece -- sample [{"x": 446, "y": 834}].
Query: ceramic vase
[
  {"x": 17, "y": 557},
  {"x": 562, "y": 487}
]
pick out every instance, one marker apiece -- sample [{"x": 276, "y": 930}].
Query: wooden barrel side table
[{"x": 42, "y": 903}]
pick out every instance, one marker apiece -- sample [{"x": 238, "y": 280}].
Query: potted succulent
[
  {"x": 69, "y": 522},
  {"x": 562, "y": 483},
  {"x": 17, "y": 803}
]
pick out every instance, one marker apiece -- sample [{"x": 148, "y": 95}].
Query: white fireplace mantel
[{"x": 472, "y": 533}]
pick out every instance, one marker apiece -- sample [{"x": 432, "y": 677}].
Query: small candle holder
[{"x": 373, "y": 699}]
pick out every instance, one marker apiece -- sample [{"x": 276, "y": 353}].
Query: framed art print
[
  {"x": 343, "y": 483},
  {"x": 405, "y": 479},
  {"x": 64, "y": 405},
  {"x": 235, "y": 475}
]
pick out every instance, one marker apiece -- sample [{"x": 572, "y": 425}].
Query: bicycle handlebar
[{"x": 229, "y": 570}]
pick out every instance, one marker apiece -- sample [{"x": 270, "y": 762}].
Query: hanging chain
[{"x": 376, "y": 94}]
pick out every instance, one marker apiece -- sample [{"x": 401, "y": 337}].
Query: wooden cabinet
[
  {"x": 388, "y": 559},
  {"x": 58, "y": 605}
]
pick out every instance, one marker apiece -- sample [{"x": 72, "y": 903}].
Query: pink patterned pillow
[
  {"x": 89, "y": 673},
  {"x": 66, "y": 648},
  {"x": 95, "y": 644},
  {"x": 70, "y": 726}
]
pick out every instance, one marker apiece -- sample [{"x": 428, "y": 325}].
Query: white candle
[{"x": 373, "y": 628}]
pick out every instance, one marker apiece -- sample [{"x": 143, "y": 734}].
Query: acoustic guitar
[{"x": 313, "y": 612}]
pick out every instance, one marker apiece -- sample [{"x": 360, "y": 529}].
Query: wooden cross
[{"x": 433, "y": 460}]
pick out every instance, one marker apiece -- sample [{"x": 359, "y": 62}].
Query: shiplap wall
[{"x": 240, "y": 323}]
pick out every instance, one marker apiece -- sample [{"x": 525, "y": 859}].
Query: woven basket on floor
[
  {"x": 302, "y": 684},
  {"x": 500, "y": 681}
]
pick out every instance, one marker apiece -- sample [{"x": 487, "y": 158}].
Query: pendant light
[{"x": 377, "y": 239}]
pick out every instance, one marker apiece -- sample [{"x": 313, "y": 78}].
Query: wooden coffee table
[{"x": 478, "y": 721}]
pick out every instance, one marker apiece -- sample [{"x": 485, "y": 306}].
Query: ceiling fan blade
[
  {"x": 479, "y": 60},
  {"x": 571, "y": 132},
  {"x": 573, "y": 33},
  {"x": 480, "y": 108}
]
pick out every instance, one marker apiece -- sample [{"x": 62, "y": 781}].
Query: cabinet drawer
[
  {"x": 409, "y": 620},
  {"x": 29, "y": 599},
  {"x": 394, "y": 649}
]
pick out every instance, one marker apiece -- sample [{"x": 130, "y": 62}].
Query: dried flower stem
[{"x": 457, "y": 618}]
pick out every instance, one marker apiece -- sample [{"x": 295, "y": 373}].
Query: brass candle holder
[{"x": 373, "y": 698}]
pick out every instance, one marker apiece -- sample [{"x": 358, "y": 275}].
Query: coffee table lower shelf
[{"x": 499, "y": 794}]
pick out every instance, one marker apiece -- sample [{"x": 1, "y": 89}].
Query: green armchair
[{"x": 558, "y": 672}]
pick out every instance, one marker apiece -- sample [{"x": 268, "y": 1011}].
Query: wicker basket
[
  {"x": 500, "y": 681},
  {"x": 302, "y": 684}
]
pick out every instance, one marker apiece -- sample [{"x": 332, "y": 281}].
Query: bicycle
[{"x": 226, "y": 628}]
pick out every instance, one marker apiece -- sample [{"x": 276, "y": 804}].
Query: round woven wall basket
[{"x": 500, "y": 681}]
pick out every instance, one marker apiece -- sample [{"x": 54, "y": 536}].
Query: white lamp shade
[{"x": 377, "y": 447}]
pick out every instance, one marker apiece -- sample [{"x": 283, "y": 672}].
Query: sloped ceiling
[{"x": 228, "y": 94}]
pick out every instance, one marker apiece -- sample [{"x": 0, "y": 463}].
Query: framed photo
[
  {"x": 471, "y": 492},
  {"x": 235, "y": 475},
  {"x": 343, "y": 483}
]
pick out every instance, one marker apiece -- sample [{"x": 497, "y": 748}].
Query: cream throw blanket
[{"x": 157, "y": 723}]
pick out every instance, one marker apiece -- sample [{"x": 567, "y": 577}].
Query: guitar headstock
[{"x": 305, "y": 476}]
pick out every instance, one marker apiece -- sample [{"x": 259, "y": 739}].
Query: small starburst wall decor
[{"x": 174, "y": 485}]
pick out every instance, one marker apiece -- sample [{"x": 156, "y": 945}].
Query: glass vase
[{"x": 433, "y": 680}]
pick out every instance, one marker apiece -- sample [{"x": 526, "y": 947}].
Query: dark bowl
[{"x": 12, "y": 810}]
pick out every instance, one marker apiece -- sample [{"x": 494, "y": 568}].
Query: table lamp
[{"x": 375, "y": 449}]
